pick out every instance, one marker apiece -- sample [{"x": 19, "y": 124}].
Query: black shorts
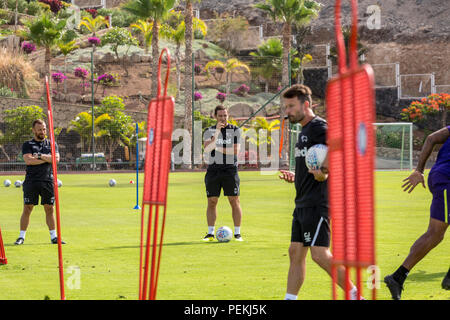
[
  {"x": 33, "y": 189},
  {"x": 311, "y": 226},
  {"x": 228, "y": 179}
]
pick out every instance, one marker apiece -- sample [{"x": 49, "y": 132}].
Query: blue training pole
[{"x": 137, "y": 168}]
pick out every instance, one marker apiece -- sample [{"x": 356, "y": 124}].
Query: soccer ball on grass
[{"x": 224, "y": 234}]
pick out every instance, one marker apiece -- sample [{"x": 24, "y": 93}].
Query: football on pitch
[
  {"x": 18, "y": 183},
  {"x": 315, "y": 156},
  {"x": 7, "y": 183},
  {"x": 112, "y": 183},
  {"x": 224, "y": 234},
  {"x": 59, "y": 183}
]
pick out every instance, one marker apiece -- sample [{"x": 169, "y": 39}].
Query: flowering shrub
[
  {"x": 28, "y": 47},
  {"x": 221, "y": 97},
  {"x": 197, "y": 69},
  {"x": 429, "y": 105},
  {"x": 242, "y": 90},
  {"x": 81, "y": 73},
  {"x": 93, "y": 12},
  {"x": 94, "y": 41},
  {"x": 197, "y": 96},
  {"x": 55, "y": 5},
  {"x": 58, "y": 77},
  {"x": 107, "y": 80}
]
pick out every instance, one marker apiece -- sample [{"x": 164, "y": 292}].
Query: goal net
[{"x": 394, "y": 145}]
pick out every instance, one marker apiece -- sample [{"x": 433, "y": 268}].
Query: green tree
[
  {"x": 267, "y": 62},
  {"x": 156, "y": 11},
  {"x": 18, "y": 123},
  {"x": 346, "y": 32},
  {"x": 82, "y": 124},
  {"x": 112, "y": 128},
  {"x": 93, "y": 24},
  {"x": 231, "y": 66},
  {"x": 45, "y": 31},
  {"x": 175, "y": 31},
  {"x": 117, "y": 37},
  {"x": 145, "y": 28},
  {"x": 289, "y": 12},
  {"x": 66, "y": 48}
]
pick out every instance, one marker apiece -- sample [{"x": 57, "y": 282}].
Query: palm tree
[
  {"x": 267, "y": 62},
  {"x": 82, "y": 124},
  {"x": 289, "y": 12},
  {"x": 66, "y": 48},
  {"x": 145, "y": 28},
  {"x": 230, "y": 67},
  {"x": 346, "y": 33},
  {"x": 94, "y": 24},
  {"x": 45, "y": 31},
  {"x": 175, "y": 31},
  {"x": 156, "y": 11},
  {"x": 188, "y": 63}
]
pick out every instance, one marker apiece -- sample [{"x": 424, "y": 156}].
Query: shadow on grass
[
  {"x": 423, "y": 276},
  {"x": 167, "y": 245}
]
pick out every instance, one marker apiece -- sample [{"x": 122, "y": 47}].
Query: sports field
[{"x": 101, "y": 257}]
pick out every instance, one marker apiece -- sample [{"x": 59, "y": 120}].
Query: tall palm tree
[
  {"x": 267, "y": 62},
  {"x": 175, "y": 30},
  {"x": 188, "y": 64},
  {"x": 289, "y": 12},
  {"x": 156, "y": 11},
  {"x": 230, "y": 67}
]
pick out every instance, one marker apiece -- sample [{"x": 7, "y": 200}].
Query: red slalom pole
[{"x": 55, "y": 187}]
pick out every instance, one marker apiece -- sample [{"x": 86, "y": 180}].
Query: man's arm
[
  {"x": 48, "y": 157},
  {"x": 31, "y": 160},
  {"x": 437, "y": 137}
]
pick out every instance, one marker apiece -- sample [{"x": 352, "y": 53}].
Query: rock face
[{"x": 400, "y": 20}]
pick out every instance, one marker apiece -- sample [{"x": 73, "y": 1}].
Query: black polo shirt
[{"x": 41, "y": 172}]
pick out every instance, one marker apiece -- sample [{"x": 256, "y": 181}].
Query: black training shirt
[
  {"x": 41, "y": 172},
  {"x": 230, "y": 135},
  {"x": 310, "y": 192}
]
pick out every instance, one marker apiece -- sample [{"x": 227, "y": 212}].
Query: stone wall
[{"x": 63, "y": 113}]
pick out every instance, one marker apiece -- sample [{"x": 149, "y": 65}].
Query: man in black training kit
[
  {"x": 310, "y": 223},
  {"x": 222, "y": 143},
  {"x": 38, "y": 180}
]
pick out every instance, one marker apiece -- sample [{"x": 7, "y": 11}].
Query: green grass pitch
[{"x": 101, "y": 257}]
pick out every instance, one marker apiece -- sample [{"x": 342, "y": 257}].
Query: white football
[
  {"x": 112, "y": 183},
  {"x": 315, "y": 156},
  {"x": 59, "y": 183},
  {"x": 7, "y": 183},
  {"x": 18, "y": 183},
  {"x": 224, "y": 234}
]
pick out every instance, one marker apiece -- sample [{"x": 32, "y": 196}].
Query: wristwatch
[
  {"x": 39, "y": 156},
  {"x": 324, "y": 170}
]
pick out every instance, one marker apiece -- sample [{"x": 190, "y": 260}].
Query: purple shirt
[{"x": 442, "y": 164}]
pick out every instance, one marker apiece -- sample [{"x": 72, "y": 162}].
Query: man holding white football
[{"x": 310, "y": 224}]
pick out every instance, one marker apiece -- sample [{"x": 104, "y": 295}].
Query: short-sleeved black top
[
  {"x": 41, "y": 172},
  {"x": 230, "y": 135},
  {"x": 310, "y": 192}
]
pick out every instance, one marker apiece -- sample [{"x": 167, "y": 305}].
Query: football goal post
[{"x": 394, "y": 145}]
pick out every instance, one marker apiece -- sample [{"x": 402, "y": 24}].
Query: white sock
[
  {"x": 22, "y": 234},
  {"x": 53, "y": 234},
  {"x": 354, "y": 293},
  {"x": 290, "y": 297},
  {"x": 211, "y": 229},
  {"x": 237, "y": 230}
]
